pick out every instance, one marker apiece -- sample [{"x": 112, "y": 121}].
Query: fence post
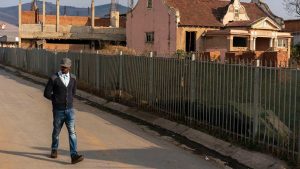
[
  {"x": 298, "y": 113},
  {"x": 97, "y": 71},
  {"x": 298, "y": 160},
  {"x": 192, "y": 87},
  {"x": 151, "y": 72},
  {"x": 120, "y": 74},
  {"x": 55, "y": 60},
  {"x": 81, "y": 65},
  {"x": 1, "y": 55},
  {"x": 255, "y": 99},
  {"x": 45, "y": 54}
]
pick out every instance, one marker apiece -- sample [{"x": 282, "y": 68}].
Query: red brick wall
[
  {"x": 28, "y": 17},
  {"x": 240, "y": 56},
  {"x": 271, "y": 59},
  {"x": 66, "y": 47},
  {"x": 67, "y": 20},
  {"x": 258, "y": 54},
  {"x": 292, "y": 25},
  {"x": 274, "y": 59}
]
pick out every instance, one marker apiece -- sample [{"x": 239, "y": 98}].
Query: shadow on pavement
[
  {"x": 36, "y": 156},
  {"x": 151, "y": 157}
]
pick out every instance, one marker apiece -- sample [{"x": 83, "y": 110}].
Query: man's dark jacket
[{"x": 60, "y": 95}]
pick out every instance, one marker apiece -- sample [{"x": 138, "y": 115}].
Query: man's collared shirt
[{"x": 65, "y": 78}]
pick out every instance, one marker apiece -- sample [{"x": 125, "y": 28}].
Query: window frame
[
  {"x": 245, "y": 42},
  {"x": 149, "y": 4},
  {"x": 282, "y": 43},
  {"x": 192, "y": 47},
  {"x": 149, "y": 37}
]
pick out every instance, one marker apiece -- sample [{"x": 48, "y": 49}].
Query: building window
[
  {"x": 149, "y": 37},
  {"x": 149, "y": 4},
  {"x": 240, "y": 42},
  {"x": 282, "y": 43},
  {"x": 190, "y": 41}
]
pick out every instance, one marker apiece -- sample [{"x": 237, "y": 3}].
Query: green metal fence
[{"x": 252, "y": 105}]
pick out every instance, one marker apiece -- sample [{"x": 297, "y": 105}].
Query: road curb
[{"x": 248, "y": 158}]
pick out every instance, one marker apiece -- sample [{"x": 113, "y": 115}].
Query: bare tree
[{"x": 293, "y": 6}]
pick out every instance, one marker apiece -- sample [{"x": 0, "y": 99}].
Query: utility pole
[
  {"x": 114, "y": 14},
  {"x": 113, "y": 6},
  {"x": 57, "y": 15},
  {"x": 93, "y": 14},
  {"x": 20, "y": 23}
]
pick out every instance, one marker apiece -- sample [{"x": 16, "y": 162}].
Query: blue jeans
[{"x": 59, "y": 118}]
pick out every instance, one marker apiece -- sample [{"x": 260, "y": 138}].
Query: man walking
[{"x": 61, "y": 89}]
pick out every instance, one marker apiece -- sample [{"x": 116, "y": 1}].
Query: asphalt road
[{"x": 107, "y": 141}]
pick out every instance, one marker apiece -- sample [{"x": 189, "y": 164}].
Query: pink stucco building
[
  {"x": 151, "y": 27},
  {"x": 166, "y": 26}
]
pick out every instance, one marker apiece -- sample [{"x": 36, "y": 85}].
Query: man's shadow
[
  {"x": 36, "y": 156},
  {"x": 148, "y": 157}
]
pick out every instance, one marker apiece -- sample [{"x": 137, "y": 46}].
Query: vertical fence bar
[
  {"x": 192, "y": 88},
  {"x": 255, "y": 99},
  {"x": 151, "y": 71},
  {"x": 296, "y": 92},
  {"x": 97, "y": 74},
  {"x": 120, "y": 74},
  {"x": 298, "y": 159}
]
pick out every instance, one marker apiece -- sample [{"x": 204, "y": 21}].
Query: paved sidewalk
[{"x": 106, "y": 141}]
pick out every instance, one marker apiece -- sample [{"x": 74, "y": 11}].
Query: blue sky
[{"x": 276, "y": 5}]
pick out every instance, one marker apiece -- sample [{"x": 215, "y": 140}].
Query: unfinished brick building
[{"x": 65, "y": 33}]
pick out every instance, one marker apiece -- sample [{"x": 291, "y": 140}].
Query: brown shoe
[
  {"x": 76, "y": 158},
  {"x": 53, "y": 154}
]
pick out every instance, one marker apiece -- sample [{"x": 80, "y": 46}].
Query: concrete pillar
[
  {"x": 93, "y": 14},
  {"x": 275, "y": 44},
  {"x": 115, "y": 19},
  {"x": 271, "y": 42},
  {"x": 230, "y": 43},
  {"x": 250, "y": 43},
  {"x": 289, "y": 47},
  {"x": 44, "y": 14},
  {"x": 20, "y": 23},
  {"x": 57, "y": 15},
  {"x": 254, "y": 43}
]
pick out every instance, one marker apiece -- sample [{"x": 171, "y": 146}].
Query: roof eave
[{"x": 199, "y": 26}]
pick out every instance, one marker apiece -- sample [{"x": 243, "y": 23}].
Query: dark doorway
[
  {"x": 262, "y": 44},
  {"x": 190, "y": 45}
]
